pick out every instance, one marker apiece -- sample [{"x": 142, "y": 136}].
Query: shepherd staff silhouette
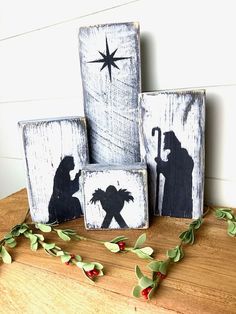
[
  {"x": 177, "y": 170},
  {"x": 112, "y": 202}
]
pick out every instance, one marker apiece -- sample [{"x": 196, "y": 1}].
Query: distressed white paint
[
  {"x": 40, "y": 71},
  {"x": 184, "y": 113},
  {"x": 46, "y": 143},
  {"x": 111, "y": 105},
  {"x": 130, "y": 177}
]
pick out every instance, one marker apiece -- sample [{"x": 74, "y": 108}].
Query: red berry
[
  {"x": 67, "y": 263},
  {"x": 144, "y": 292},
  {"x": 163, "y": 276},
  {"x": 72, "y": 256},
  {"x": 159, "y": 274},
  {"x": 89, "y": 273},
  {"x": 96, "y": 272},
  {"x": 121, "y": 245}
]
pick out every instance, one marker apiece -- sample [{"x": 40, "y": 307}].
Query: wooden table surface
[{"x": 203, "y": 282}]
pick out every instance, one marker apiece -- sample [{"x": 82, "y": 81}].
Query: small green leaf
[
  {"x": 48, "y": 246},
  {"x": 229, "y": 215},
  {"x": 39, "y": 236},
  {"x": 98, "y": 265},
  {"x": 15, "y": 231},
  {"x": 80, "y": 264},
  {"x": 62, "y": 235},
  {"x": 141, "y": 254},
  {"x": 60, "y": 253},
  {"x": 65, "y": 258},
  {"x": 69, "y": 231},
  {"x": 196, "y": 224},
  {"x": 12, "y": 244},
  {"x": 100, "y": 273},
  {"x": 136, "y": 291},
  {"x": 8, "y": 236},
  {"x": 179, "y": 255},
  {"x": 118, "y": 239},
  {"x": 145, "y": 282},
  {"x": 43, "y": 227},
  {"x": 78, "y": 258},
  {"x": 175, "y": 254},
  {"x": 219, "y": 214},
  {"x": 231, "y": 230},
  {"x": 147, "y": 250},
  {"x": 151, "y": 293},
  {"x": 34, "y": 246},
  {"x": 224, "y": 209},
  {"x": 6, "y": 257},
  {"x": 33, "y": 238},
  {"x": 88, "y": 266},
  {"x": 23, "y": 229},
  {"x": 155, "y": 266},
  {"x": 164, "y": 267},
  {"x": 171, "y": 253},
  {"x": 113, "y": 247},
  {"x": 187, "y": 236},
  {"x": 138, "y": 272},
  {"x": 184, "y": 236},
  {"x": 141, "y": 239},
  {"x": 224, "y": 213},
  {"x": 9, "y": 240}
]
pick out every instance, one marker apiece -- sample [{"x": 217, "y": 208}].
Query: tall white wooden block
[
  {"x": 55, "y": 150},
  {"x": 110, "y": 69},
  {"x": 115, "y": 197},
  {"x": 173, "y": 144}
]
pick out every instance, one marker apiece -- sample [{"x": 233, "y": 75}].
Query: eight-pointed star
[{"x": 108, "y": 59}]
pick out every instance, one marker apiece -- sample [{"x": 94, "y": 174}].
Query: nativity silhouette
[
  {"x": 112, "y": 202},
  {"x": 62, "y": 205},
  {"x": 177, "y": 170}
]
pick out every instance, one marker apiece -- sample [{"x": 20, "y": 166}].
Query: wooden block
[
  {"x": 110, "y": 69},
  {"x": 115, "y": 196},
  {"x": 173, "y": 144},
  {"x": 55, "y": 150}
]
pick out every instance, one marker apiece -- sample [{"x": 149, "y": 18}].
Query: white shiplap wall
[{"x": 185, "y": 44}]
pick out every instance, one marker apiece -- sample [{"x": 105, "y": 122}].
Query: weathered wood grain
[
  {"x": 173, "y": 144},
  {"x": 115, "y": 196},
  {"x": 204, "y": 282},
  {"x": 110, "y": 70},
  {"x": 55, "y": 150}
]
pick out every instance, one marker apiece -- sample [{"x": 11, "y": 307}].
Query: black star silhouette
[{"x": 108, "y": 59}]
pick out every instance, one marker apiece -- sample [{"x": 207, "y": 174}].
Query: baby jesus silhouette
[{"x": 112, "y": 202}]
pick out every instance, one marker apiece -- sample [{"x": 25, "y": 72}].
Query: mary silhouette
[
  {"x": 177, "y": 170},
  {"x": 63, "y": 206}
]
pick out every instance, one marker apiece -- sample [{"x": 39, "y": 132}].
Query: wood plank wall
[{"x": 183, "y": 45}]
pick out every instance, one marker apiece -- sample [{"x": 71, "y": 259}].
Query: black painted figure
[
  {"x": 112, "y": 202},
  {"x": 177, "y": 170},
  {"x": 63, "y": 206}
]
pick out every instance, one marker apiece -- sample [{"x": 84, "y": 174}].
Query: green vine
[
  {"x": 146, "y": 286},
  {"x": 90, "y": 269},
  {"x": 227, "y": 215}
]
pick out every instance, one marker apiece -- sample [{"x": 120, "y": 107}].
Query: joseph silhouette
[{"x": 177, "y": 170}]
